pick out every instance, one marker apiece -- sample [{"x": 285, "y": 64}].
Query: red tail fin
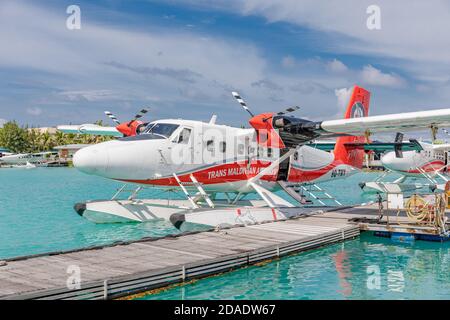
[{"x": 358, "y": 106}]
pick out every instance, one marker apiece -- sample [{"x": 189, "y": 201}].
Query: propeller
[
  {"x": 112, "y": 117},
  {"x": 242, "y": 102}
]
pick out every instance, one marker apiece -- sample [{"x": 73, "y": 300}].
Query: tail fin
[{"x": 358, "y": 106}]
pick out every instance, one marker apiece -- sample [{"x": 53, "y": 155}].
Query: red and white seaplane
[
  {"x": 204, "y": 160},
  {"x": 430, "y": 162}
]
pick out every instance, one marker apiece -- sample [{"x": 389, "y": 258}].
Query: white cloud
[
  {"x": 34, "y": 111},
  {"x": 343, "y": 97},
  {"x": 90, "y": 95},
  {"x": 179, "y": 73},
  {"x": 2, "y": 122},
  {"x": 337, "y": 66},
  {"x": 103, "y": 62},
  {"x": 41, "y": 42},
  {"x": 412, "y": 32},
  {"x": 373, "y": 76}
]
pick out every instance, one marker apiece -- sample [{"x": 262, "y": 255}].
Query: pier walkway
[{"x": 123, "y": 269}]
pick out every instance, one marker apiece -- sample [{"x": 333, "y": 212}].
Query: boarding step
[
  {"x": 186, "y": 193},
  {"x": 318, "y": 194},
  {"x": 201, "y": 194}
]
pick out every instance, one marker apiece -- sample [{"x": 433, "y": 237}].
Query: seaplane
[
  {"x": 129, "y": 128},
  {"x": 205, "y": 160},
  {"x": 26, "y": 160},
  {"x": 430, "y": 161}
]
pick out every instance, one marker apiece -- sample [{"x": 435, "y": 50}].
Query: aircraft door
[{"x": 182, "y": 150}]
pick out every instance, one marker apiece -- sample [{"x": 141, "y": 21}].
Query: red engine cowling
[{"x": 267, "y": 136}]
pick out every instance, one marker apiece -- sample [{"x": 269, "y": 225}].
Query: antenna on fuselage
[
  {"x": 242, "y": 102},
  {"x": 213, "y": 119}
]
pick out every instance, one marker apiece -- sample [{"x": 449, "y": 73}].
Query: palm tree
[{"x": 14, "y": 137}]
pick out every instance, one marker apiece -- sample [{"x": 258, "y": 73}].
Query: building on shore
[
  {"x": 42, "y": 130},
  {"x": 66, "y": 152}
]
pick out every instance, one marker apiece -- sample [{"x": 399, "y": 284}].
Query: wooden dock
[{"x": 120, "y": 270}]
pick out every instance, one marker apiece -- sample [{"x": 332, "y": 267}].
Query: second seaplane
[{"x": 204, "y": 160}]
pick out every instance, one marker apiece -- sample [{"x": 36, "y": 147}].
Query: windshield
[{"x": 162, "y": 129}]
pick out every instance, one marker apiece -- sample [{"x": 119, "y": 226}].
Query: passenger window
[
  {"x": 223, "y": 147},
  {"x": 241, "y": 149},
  {"x": 269, "y": 152},
  {"x": 184, "y": 136},
  {"x": 210, "y": 145}
]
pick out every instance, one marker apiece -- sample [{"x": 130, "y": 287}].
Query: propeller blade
[
  {"x": 112, "y": 117},
  {"x": 399, "y": 137},
  {"x": 242, "y": 102},
  {"x": 140, "y": 114},
  {"x": 288, "y": 110}
]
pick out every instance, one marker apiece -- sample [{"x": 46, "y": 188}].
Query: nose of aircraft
[{"x": 91, "y": 160}]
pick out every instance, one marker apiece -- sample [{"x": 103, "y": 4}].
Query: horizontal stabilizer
[
  {"x": 412, "y": 145},
  {"x": 90, "y": 129}
]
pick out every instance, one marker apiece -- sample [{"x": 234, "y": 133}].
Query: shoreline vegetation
[{"x": 24, "y": 139}]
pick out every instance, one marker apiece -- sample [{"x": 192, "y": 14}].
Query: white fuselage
[
  {"x": 433, "y": 158},
  {"x": 23, "y": 158},
  {"x": 222, "y": 158}
]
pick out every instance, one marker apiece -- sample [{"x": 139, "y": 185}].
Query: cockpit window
[
  {"x": 184, "y": 136},
  {"x": 161, "y": 129}
]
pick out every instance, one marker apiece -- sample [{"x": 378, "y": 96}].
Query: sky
[{"x": 183, "y": 58}]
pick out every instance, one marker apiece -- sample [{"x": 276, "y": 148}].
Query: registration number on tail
[{"x": 338, "y": 173}]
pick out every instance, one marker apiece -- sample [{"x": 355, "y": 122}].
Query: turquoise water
[
  {"x": 36, "y": 216},
  {"x": 364, "y": 268},
  {"x": 36, "y": 210}
]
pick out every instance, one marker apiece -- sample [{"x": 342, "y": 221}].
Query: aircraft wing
[
  {"x": 390, "y": 122},
  {"x": 444, "y": 147},
  {"x": 90, "y": 129}
]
